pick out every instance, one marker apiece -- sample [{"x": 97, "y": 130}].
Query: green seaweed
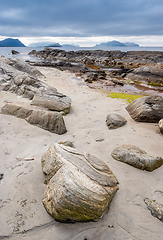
[
  {"x": 128, "y": 97},
  {"x": 155, "y": 84}
]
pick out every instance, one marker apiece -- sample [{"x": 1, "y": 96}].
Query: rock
[
  {"x": 155, "y": 208},
  {"x": 15, "y": 52},
  {"x": 55, "y": 101},
  {"x": 114, "y": 120},
  {"x": 51, "y": 121},
  {"x": 160, "y": 124},
  {"x": 21, "y": 78},
  {"x": 136, "y": 157},
  {"x": 90, "y": 77},
  {"x": 1, "y": 176},
  {"x": 147, "y": 73},
  {"x": 79, "y": 186},
  {"x": 146, "y": 109}
]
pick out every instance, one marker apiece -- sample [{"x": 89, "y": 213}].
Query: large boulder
[
  {"x": 79, "y": 186},
  {"x": 51, "y": 121},
  {"x": 136, "y": 157},
  {"x": 114, "y": 121},
  {"x": 155, "y": 208},
  {"x": 146, "y": 109},
  {"x": 55, "y": 101}
]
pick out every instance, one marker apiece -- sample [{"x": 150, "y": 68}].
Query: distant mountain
[
  {"x": 70, "y": 45},
  {"x": 116, "y": 44},
  {"x": 10, "y": 42},
  {"x": 130, "y": 44},
  {"x": 44, "y": 44}
]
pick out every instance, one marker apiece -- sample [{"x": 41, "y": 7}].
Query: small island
[{"x": 11, "y": 42}]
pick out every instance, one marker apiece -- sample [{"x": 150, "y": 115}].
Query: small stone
[
  {"x": 114, "y": 121},
  {"x": 99, "y": 139},
  {"x": 160, "y": 124}
]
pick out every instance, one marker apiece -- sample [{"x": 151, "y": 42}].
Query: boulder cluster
[{"x": 79, "y": 186}]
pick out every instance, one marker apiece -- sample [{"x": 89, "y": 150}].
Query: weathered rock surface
[
  {"x": 136, "y": 157},
  {"x": 114, "y": 121},
  {"x": 80, "y": 186},
  {"x": 155, "y": 208},
  {"x": 21, "y": 78},
  {"x": 147, "y": 74},
  {"x": 160, "y": 124},
  {"x": 55, "y": 101},
  {"x": 51, "y": 121},
  {"x": 146, "y": 109}
]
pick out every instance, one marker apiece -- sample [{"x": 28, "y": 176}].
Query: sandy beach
[{"x": 22, "y": 215}]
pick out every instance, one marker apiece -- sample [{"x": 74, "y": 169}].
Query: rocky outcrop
[
  {"x": 51, "y": 121},
  {"x": 55, "y": 101},
  {"x": 136, "y": 157},
  {"x": 114, "y": 121},
  {"x": 146, "y": 109},
  {"x": 149, "y": 74},
  {"x": 160, "y": 124},
  {"x": 79, "y": 186},
  {"x": 21, "y": 78},
  {"x": 155, "y": 208}
]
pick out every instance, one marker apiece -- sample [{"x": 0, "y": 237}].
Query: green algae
[{"x": 128, "y": 97}]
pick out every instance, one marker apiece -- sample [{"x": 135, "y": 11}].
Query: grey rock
[
  {"x": 136, "y": 157},
  {"x": 147, "y": 73},
  {"x": 146, "y": 109},
  {"x": 51, "y": 121},
  {"x": 114, "y": 121},
  {"x": 160, "y": 124},
  {"x": 155, "y": 208},
  {"x": 55, "y": 101},
  {"x": 79, "y": 186}
]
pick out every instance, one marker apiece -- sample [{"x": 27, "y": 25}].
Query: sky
[{"x": 83, "y": 22}]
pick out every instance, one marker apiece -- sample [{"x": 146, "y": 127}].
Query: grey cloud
[{"x": 81, "y": 18}]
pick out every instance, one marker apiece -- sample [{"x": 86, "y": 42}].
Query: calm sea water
[{"x": 6, "y": 51}]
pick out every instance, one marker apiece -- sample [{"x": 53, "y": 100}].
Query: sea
[{"x": 6, "y": 51}]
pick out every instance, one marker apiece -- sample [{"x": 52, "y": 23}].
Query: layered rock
[
  {"x": 136, "y": 157},
  {"x": 79, "y": 186},
  {"x": 146, "y": 109},
  {"x": 55, "y": 101},
  {"x": 21, "y": 78},
  {"x": 51, "y": 121},
  {"x": 114, "y": 121},
  {"x": 155, "y": 208}
]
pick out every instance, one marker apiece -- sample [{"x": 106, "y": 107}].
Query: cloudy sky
[{"x": 84, "y": 22}]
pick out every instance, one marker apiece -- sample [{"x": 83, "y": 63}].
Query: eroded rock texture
[
  {"x": 155, "y": 208},
  {"x": 79, "y": 186},
  {"x": 21, "y": 78},
  {"x": 51, "y": 121},
  {"x": 136, "y": 157},
  {"x": 146, "y": 109}
]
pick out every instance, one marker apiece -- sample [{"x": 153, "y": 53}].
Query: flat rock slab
[
  {"x": 79, "y": 186},
  {"x": 114, "y": 121},
  {"x": 51, "y": 121},
  {"x": 146, "y": 109},
  {"x": 155, "y": 208},
  {"x": 160, "y": 124},
  {"x": 55, "y": 101},
  {"x": 136, "y": 157}
]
